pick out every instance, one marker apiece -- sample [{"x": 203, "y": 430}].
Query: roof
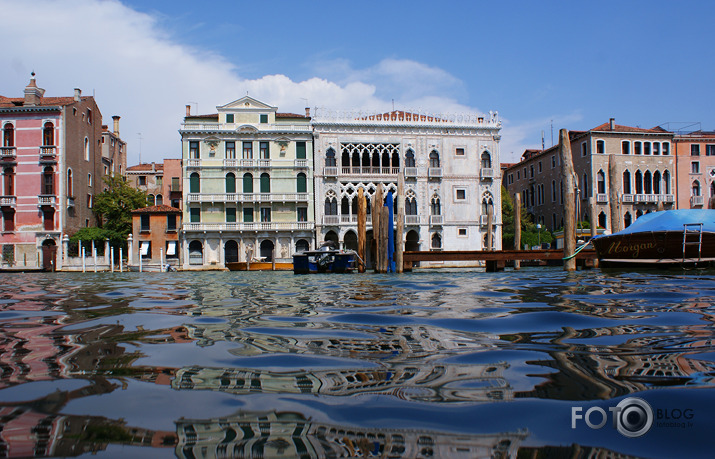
[
  {"x": 146, "y": 167},
  {"x": 157, "y": 210},
  {"x": 291, "y": 115},
  {"x": 399, "y": 115},
  {"x": 619, "y": 128},
  {"x": 14, "y": 102}
]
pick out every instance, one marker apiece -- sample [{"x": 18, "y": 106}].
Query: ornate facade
[
  {"x": 248, "y": 185},
  {"x": 450, "y": 166}
]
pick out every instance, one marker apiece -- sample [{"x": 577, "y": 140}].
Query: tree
[
  {"x": 114, "y": 206},
  {"x": 530, "y": 234}
]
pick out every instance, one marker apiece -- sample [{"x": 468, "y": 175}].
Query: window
[
  {"x": 434, "y": 159},
  {"x": 436, "y": 241},
  {"x": 89, "y": 201},
  {"x": 709, "y": 150},
  {"x": 411, "y": 206},
  {"x": 410, "y": 158},
  {"x": 247, "y": 150},
  {"x": 656, "y": 148},
  {"x": 600, "y": 146},
  {"x": 264, "y": 118},
  {"x": 265, "y": 183},
  {"x": 89, "y": 179},
  {"x": 696, "y": 188},
  {"x": 264, "y": 150},
  {"x": 8, "y": 135},
  {"x": 302, "y": 185},
  {"x": 176, "y": 203},
  {"x": 247, "y": 215},
  {"x": 171, "y": 223},
  {"x": 195, "y": 214},
  {"x": 171, "y": 251},
  {"x": 194, "y": 183},
  {"x": 626, "y": 182},
  {"x": 159, "y": 181},
  {"x": 150, "y": 199},
  {"x": 436, "y": 207},
  {"x": 265, "y": 214},
  {"x": 626, "y": 147},
  {"x": 230, "y": 150},
  {"x": 144, "y": 223},
  {"x": 230, "y": 215},
  {"x": 539, "y": 167},
  {"x": 666, "y": 148},
  {"x": 531, "y": 170},
  {"x": 666, "y": 181},
  {"x": 194, "y": 149},
  {"x": 141, "y": 180},
  {"x": 86, "y": 149},
  {"x": 8, "y": 217},
  {"x": 48, "y": 181},
  {"x": 300, "y": 150},
  {"x": 247, "y": 183},
  {"x": 70, "y": 185},
  {"x": 646, "y": 148},
  {"x": 331, "y": 206},
  {"x": 48, "y": 134},
  {"x": 460, "y": 194},
  {"x": 229, "y": 118},
  {"x": 9, "y": 179},
  {"x": 637, "y": 147},
  {"x": 584, "y": 149},
  {"x": 145, "y": 247},
  {"x": 486, "y": 160},
  {"x": 230, "y": 183},
  {"x": 639, "y": 182},
  {"x": 459, "y": 151},
  {"x": 330, "y": 160},
  {"x": 175, "y": 183},
  {"x": 89, "y": 116},
  {"x": 302, "y": 214},
  {"x": 553, "y": 161},
  {"x": 461, "y": 232},
  {"x": 553, "y": 191},
  {"x": 695, "y": 149},
  {"x": 695, "y": 167}
]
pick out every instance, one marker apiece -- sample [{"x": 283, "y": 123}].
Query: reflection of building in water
[
  {"x": 388, "y": 342},
  {"x": 273, "y": 434},
  {"x": 426, "y": 382},
  {"x": 574, "y": 450}
]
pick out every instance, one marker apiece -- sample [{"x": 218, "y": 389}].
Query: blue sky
[{"x": 573, "y": 64}]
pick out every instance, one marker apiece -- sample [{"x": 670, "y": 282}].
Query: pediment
[
  {"x": 246, "y": 128},
  {"x": 246, "y": 103}
]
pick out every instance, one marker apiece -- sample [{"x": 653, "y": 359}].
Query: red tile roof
[
  {"x": 11, "y": 102},
  {"x": 620, "y": 128},
  {"x": 291, "y": 115},
  {"x": 156, "y": 209},
  {"x": 145, "y": 167}
]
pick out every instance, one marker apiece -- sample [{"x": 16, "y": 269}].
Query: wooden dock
[{"x": 497, "y": 259}]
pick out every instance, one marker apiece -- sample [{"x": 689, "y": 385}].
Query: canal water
[{"x": 534, "y": 363}]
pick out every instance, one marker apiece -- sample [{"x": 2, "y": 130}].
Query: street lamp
[{"x": 538, "y": 228}]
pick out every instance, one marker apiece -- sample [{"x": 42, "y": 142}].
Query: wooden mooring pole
[
  {"x": 400, "y": 225},
  {"x": 376, "y": 211},
  {"x": 615, "y": 206},
  {"x": 594, "y": 222},
  {"x": 517, "y": 228},
  {"x": 567, "y": 172},
  {"x": 361, "y": 224}
]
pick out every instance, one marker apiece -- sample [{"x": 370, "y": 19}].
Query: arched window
[
  {"x": 626, "y": 147},
  {"x": 330, "y": 158},
  {"x": 302, "y": 183},
  {"x": 410, "y": 158},
  {"x": 344, "y": 206},
  {"x": 639, "y": 182},
  {"x": 48, "y": 134},
  {"x": 666, "y": 181},
  {"x": 301, "y": 245},
  {"x": 487, "y": 201},
  {"x": 656, "y": 182},
  {"x": 411, "y": 206},
  {"x": 626, "y": 182},
  {"x": 345, "y": 159},
  {"x": 627, "y": 219},
  {"x": 601, "y": 179},
  {"x": 647, "y": 182},
  {"x": 265, "y": 183},
  {"x": 247, "y": 183},
  {"x": 436, "y": 206},
  {"x": 194, "y": 183},
  {"x": 150, "y": 200},
  {"x": 585, "y": 187},
  {"x": 486, "y": 160},
  {"x": 602, "y": 220},
  {"x": 696, "y": 188},
  {"x": 9, "y": 179},
  {"x": 395, "y": 160},
  {"x": 331, "y": 206},
  {"x": 436, "y": 241},
  {"x": 196, "y": 253},
  {"x": 8, "y": 135},
  {"x": 70, "y": 184},
  {"x": 86, "y": 149},
  {"x": 159, "y": 200},
  {"x": 48, "y": 181},
  {"x": 434, "y": 159},
  {"x": 230, "y": 182}
]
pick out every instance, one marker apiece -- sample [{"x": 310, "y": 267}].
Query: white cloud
[{"x": 139, "y": 72}]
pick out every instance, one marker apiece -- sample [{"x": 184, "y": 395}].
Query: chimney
[
  {"x": 33, "y": 94},
  {"x": 188, "y": 110},
  {"x": 307, "y": 112},
  {"x": 612, "y": 124},
  {"x": 116, "y": 125},
  {"x": 77, "y": 94}
]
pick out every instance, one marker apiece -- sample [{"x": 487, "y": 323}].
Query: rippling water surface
[{"x": 425, "y": 364}]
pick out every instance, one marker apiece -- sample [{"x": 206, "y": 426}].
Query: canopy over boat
[{"x": 672, "y": 220}]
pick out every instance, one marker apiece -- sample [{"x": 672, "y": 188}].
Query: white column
[{"x": 130, "y": 250}]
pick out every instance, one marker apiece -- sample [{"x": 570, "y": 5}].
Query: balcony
[
  {"x": 48, "y": 153},
  {"x": 434, "y": 172},
  {"x": 484, "y": 220},
  {"x": 193, "y": 163},
  {"x": 667, "y": 198},
  {"x": 435, "y": 220},
  {"x": 410, "y": 172},
  {"x": 301, "y": 163},
  {"x": 486, "y": 173},
  {"x": 249, "y": 226},
  {"x": 696, "y": 201},
  {"x": 230, "y": 163},
  {"x": 8, "y": 201},
  {"x": 246, "y": 197},
  {"x": 412, "y": 219},
  {"x": 46, "y": 200},
  {"x": 627, "y": 198},
  {"x": 601, "y": 198},
  {"x": 264, "y": 163},
  {"x": 7, "y": 153},
  {"x": 331, "y": 171},
  {"x": 247, "y": 163},
  {"x": 331, "y": 220},
  {"x": 368, "y": 170}
]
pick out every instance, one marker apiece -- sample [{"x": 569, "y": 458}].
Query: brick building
[
  {"x": 695, "y": 166},
  {"x": 160, "y": 181},
  {"x": 155, "y": 237}
]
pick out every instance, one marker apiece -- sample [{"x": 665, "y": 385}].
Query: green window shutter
[
  {"x": 194, "y": 186},
  {"x": 229, "y": 117},
  {"x": 300, "y": 150},
  {"x": 230, "y": 183},
  {"x": 247, "y": 183},
  {"x": 302, "y": 183},
  {"x": 264, "y": 119},
  {"x": 195, "y": 214},
  {"x": 230, "y": 214},
  {"x": 247, "y": 215},
  {"x": 265, "y": 183}
]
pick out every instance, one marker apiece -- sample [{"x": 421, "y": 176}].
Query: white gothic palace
[{"x": 450, "y": 164}]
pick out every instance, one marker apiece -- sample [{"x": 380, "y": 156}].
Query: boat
[
  {"x": 684, "y": 237},
  {"x": 327, "y": 259}
]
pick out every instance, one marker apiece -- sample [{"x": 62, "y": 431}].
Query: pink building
[
  {"x": 161, "y": 182},
  {"x": 52, "y": 167},
  {"x": 695, "y": 166}
]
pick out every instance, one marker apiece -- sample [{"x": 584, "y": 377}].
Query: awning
[
  {"x": 145, "y": 248},
  {"x": 171, "y": 248}
]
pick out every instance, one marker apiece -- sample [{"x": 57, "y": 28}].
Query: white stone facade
[{"x": 450, "y": 165}]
